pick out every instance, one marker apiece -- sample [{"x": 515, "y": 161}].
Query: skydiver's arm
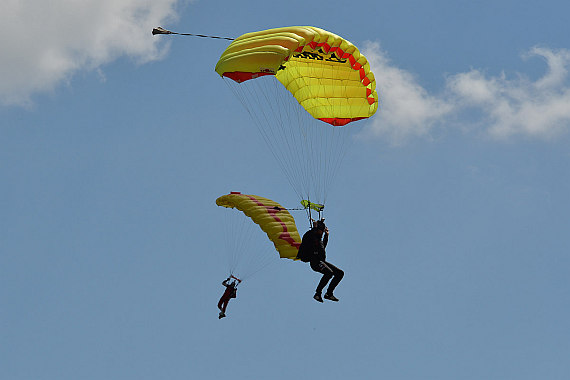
[
  {"x": 238, "y": 280},
  {"x": 326, "y": 239}
]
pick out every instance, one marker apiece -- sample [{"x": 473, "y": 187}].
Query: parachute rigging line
[
  {"x": 244, "y": 249},
  {"x": 161, "y": 30}
]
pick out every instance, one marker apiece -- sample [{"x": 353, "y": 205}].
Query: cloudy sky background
[
  {"x": 56, "y": 42},
  {"x": 450, "y": 213}
]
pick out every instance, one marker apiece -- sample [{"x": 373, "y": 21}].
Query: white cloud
[
  {"x": 505, "y": 107},
  {"x": 44, "y": 43},
  {"x": 406, "y": 108},
  {"x": 519, "y": 106}
]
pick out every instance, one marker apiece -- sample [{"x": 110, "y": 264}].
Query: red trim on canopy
[
  {"x": 341, "y": 121},
  {"x": 284, "y": 235},
  {"x": 240, "y": 76}
]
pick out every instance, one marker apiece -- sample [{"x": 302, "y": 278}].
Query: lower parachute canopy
[{"x": 273, "y": 219}]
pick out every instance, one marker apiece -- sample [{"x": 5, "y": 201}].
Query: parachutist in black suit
[{"x": 312, "y": 250}]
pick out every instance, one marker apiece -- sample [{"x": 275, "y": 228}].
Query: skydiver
[
  {"x": 229, "y": 293},
  {"x": 313, "y": 249}
]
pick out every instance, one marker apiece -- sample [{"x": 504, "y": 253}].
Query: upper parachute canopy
[
  {"x": 325, "y": 73},
  {"x": 273, "y": 219}
]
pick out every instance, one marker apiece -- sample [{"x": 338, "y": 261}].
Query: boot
[{"x": 330, "y": 297}]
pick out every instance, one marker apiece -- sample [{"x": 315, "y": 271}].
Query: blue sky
[{"x": 449, "y": 215}]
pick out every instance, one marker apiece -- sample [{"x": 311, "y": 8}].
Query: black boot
[{"x": 330, "y": 297}]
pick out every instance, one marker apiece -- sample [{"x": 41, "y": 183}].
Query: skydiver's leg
[
  {"x": 322, "y": 267},
  {"x": 224, "y": 305},
  {"x": 338, "y": 274}
]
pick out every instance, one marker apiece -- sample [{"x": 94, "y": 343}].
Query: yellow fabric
[
  {"x": 273, "y": 219},
  {"x": 325, "y": 73}
]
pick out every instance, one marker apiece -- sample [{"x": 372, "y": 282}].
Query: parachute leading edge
[{"x": 273, "y": 219}]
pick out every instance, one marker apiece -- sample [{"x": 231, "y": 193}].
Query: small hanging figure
[{"x": 229, "y": 293}]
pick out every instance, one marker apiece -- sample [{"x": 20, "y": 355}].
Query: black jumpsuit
[{"x": 313, "y": 243}]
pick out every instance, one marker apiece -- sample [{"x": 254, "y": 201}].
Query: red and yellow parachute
[
  {"x": 273, "y": 219},
  {"x": 293, "y": 79},
  {"x": 325, "y": 73}
]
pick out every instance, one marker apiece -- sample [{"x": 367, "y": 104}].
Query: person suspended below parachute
[
  {"x": 229, "y": 293},
  {"x": 304, "y": 88},
  {"x": 247, "y": 219},
  {"x": 280, "y": 228}
]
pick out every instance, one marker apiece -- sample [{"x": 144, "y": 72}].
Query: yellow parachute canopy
[
  {"x": 325, "y": 73},
  {"x": 273, "y": 219}
]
